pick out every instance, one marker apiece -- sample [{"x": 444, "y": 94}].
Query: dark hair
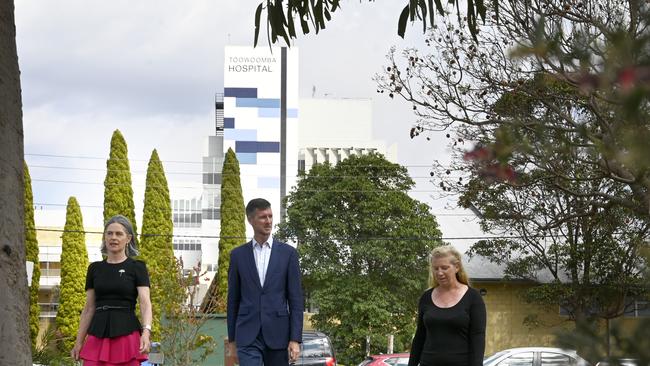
[
  {"x": 132, "y": 247},
  {"x": 256, "y": 204}
]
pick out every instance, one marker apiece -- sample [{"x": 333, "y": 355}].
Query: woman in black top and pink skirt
[
  {"x": 109, "y": 333},
  {"x": 451, "y": 316}
]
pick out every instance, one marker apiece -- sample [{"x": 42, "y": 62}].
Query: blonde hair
[{"x": 456, "y": 259}]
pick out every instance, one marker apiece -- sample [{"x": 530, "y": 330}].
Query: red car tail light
[{"x": 330, "y": 361}]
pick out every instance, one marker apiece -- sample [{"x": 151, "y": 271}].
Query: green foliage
[
  {"x": 575, "y": 246},
  {"x": 576, "y": 213},
  {"x": 118, "y": 193},
  {"x": 31, "y": 247},
  {"x": 550, "y": 79},
  {"x": 74, "y": 264},
  {"x": 629, "y": 342},
  {"x": 156, "y": 247},
  {"x": 232, "y": 232},
  {"x": 47, "y": 352},
  {"x": 184, "y": 342},
  {"x": 363, "y": 245},
  {"x": 558, "y": 91}
]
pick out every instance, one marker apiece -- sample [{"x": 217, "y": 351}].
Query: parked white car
[
  {"x": 619, "y": 361},
  {"x": 535, "y": 356}
]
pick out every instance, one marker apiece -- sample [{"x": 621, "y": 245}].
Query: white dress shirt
[{"x": 262, "y": 253}]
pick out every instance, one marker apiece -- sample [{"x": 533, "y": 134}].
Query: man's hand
[
  {"x": 232, "y": 351},
  {"x": 294, "y": 351}
]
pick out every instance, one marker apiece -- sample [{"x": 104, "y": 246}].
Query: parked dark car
[
  {"x": 390, "y": 359},
  {"x": 316, "y": 350},
  {"x": 535, "y": 356}
]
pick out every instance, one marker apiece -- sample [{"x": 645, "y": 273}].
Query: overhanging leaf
[
  {"x": 290, "y": 25},
  {"x": 401, "y": 25},
  {"x": 258, "y": 14},
  {"x": 441, "y": 11},
  {"x": 423, "y": 7},
  {"x": 413, "y": 8}
]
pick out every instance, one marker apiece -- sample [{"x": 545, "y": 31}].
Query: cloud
[
  {"x": 144, "y": 57},
  {"x": 151, "y": 68}
]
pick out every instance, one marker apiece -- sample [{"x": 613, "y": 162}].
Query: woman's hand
[
  {"x": 145, "y": 343},
  {"x": 145, "y": 310},
  {"x": 74, "y": 352}
]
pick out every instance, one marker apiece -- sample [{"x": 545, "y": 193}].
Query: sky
[{"x": 150, "y": 68}]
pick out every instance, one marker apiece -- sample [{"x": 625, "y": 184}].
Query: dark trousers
[{"x": 258, "y": 354}]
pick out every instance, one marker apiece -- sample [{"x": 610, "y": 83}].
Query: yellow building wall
[
  {"x": 507, "y": 312},
  {"x": 51, "y": 235}
]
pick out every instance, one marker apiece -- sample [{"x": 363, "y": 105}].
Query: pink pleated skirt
[{"x": 118, "y": 351}]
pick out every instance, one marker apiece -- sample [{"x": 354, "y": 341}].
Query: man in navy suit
[{"x": 265, "y": 302}]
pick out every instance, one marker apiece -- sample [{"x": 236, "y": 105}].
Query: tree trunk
[{"x": 15, "y": 345}]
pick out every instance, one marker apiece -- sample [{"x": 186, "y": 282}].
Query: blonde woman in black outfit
[{"x": 451, "y": 316}]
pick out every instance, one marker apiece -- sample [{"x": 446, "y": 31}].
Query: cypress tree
[
  {"x": 31, "y": 247},
  {"x": 156, "y": 247},
  {"x": 74, "y": 264},
  {"x": 232, "y": 232},
  {"x": 118, "y": 193}
]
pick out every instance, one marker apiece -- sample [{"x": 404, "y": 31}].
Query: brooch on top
[{"x": 121, "y": 271}]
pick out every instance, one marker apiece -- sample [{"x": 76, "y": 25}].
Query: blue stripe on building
[
  {"x": 275, "y": 112},
  {"x": 228, "y": 122},
  {"x": 258, "y": 103},
  {"x": 247, "y": 158},
  {"x": 240, "y": 92},
  {"x": 268, "y": 182},
  {"x": 257, "y": 147},
  {"x": 240, "y": 134}
]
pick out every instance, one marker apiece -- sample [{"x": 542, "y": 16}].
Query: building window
[
  {"x": 211, "y": 178},
  {"x": 187, "y": 244},
  {"x": 187, "y": 213},
  {"x": 49, "y": 309},
  {"x": 301, "y": 166},
  {"x": 212, "y": 214},
  {"x": 637, "y": 309},
  {"x": 50, "y": 269},
  {"x": 633, "y": 309}
]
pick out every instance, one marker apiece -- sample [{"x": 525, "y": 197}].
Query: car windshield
[{"x": 490, "y": 360}]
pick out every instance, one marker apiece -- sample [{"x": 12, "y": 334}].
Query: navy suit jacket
[{"x": 274, "y": 308}]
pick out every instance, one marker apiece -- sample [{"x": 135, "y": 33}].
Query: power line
[
  {"x": 198, "y": 187},
  {"x": 200, "y": 210},
  {"x": 196, "y": 173},
  {"x": 64, "y": 205},
  {"x": 365, "y": 238},
  {"x": 110, "y": 184},
  {"x": 104, "y": 158},
  {"x": 186, "y": 161},
  {"x": 103, "y": 170}
]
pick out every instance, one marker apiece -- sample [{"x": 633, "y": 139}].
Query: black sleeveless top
[{"x": 116, "y": 293}]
